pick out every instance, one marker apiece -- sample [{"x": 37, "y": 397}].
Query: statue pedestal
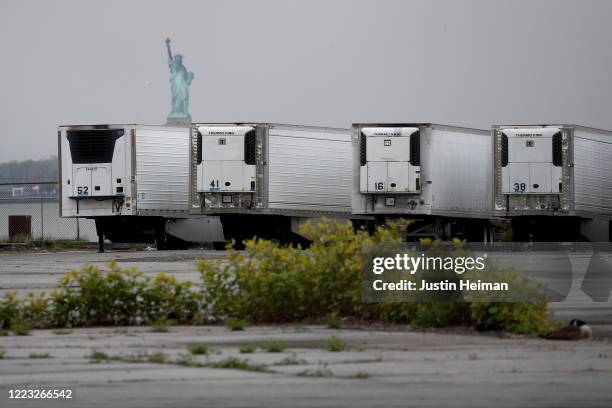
[{"x": 174, "y": 121}]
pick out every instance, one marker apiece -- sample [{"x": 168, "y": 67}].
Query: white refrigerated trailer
[
  {"x": 554, "y": 181},
  {"x": 264, "y": 179},
  {"x": 133, "y": 181},
  {"x": 439, "y": 176}
]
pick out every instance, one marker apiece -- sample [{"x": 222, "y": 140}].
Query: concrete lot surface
[{"x": 378, "y": 368}]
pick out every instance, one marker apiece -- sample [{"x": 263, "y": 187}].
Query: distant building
[{"x": 29, "y": 191}]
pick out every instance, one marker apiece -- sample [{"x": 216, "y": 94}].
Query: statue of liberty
[{"x": 180, "y": 79}]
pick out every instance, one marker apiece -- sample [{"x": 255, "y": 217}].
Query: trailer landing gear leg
[
  {"x": 160, "y": 236},
  {"x": 100, "y": 232}
]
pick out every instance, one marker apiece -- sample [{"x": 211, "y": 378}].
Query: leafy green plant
[
  {"x": 122, "y": 296},
  {"x": 137, "y": 357},
  {"x": 37, "y": 310},
  {"x": 270, "y": 284},
  {"x": 119, "y": 296},
  {"x": 335, "y": 344},
  {"x": 247, "y": 349},
  {"x": 238, "y": 364},
  {"x": 285, "y": 284},
  {"x": 333, "y": 321},
  {"x": 158, "y": 357},
  {"x": 273, "y": 346},
  {"x": 528, "y": 317},
  {"x": 89, "y": 297},
  {"x": 236, "y": 324},
  {"x": 2, "y": 353},
  {"x": 98, "y": 356},
  {"x": 40, "y": 355},
  {"x": 164, "y": 295},
  {"x": 11, "y": 309},
  {"x": 21, "y": 328},
  {"x": 160, "y": 324},
  {"x": 187, "y": 360},
  {"x": 198, "y": 349}
]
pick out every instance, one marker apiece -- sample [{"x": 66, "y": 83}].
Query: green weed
[
  {"x": 238, "y": 364},
  {"x": 160, "y": 324},
  {"x": 335, "y": 344},
  {"x": 273, "y": 346},
  {"x": 21, "y": 328},
  {"x": 198, "y": 349},
  {"x": 158, "y": 358},
  {"x": 98, "y": 356},
  {"x": 40, "y": 355},
  {"x": 247, "y": 349},
  {"x": 236, "y": 324}
]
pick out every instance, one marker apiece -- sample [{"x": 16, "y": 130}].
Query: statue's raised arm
[{"x": 168, "y": 48}]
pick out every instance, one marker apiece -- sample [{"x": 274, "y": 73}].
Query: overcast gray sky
[{"x": 470, "y": 63}]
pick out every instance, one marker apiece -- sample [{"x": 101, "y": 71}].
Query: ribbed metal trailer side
[
  {"x": 309, "y": 169},
  {"x": 592, "y": 172},
  {"x": 162, "y": 169}
]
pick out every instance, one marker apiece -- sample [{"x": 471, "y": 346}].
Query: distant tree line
[{"x": 29, "y": 170}]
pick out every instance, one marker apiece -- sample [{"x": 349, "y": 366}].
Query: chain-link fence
[{"x": 32, "y": 211}]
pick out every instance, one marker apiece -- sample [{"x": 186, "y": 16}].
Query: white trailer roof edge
[
  {"x": 559, "y": 125},
  {"x": 421, "y": 124},
  {"x": 272, "y": 124},
  {"x": 122, "y": 125}
]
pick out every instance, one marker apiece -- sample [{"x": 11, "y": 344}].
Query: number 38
[{"x": 520, "y": 186}]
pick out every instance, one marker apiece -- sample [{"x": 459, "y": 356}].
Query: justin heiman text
[{"x": 444, "y": 285}]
